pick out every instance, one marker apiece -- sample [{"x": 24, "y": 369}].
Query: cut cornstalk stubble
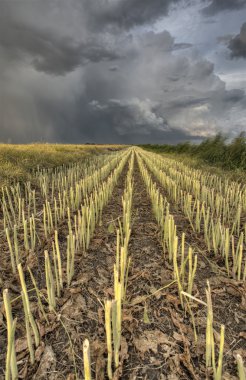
[
  {"x": 11, "y": 364},
  {"x": 87, "y": 360}
]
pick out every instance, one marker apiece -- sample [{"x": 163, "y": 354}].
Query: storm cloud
[
  {"x": 49, "y": 51},
  {"x": 217, "y": 6},
  {"x": 125, "y": 13},
  {"x": 237, "y": 45},
  {"x": 101, "y": 71}
]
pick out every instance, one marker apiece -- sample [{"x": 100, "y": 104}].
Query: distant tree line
[{"x": 214, "y": 151}]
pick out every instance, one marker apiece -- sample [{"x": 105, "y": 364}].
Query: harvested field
[{"x": 126, "y": 265}]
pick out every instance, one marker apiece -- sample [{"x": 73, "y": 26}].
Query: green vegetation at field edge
[{"x": 213, "y": 154}]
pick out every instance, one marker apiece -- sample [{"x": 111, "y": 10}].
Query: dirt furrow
[{"x": 156, "y": 348}]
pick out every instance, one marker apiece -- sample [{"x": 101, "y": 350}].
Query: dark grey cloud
[
  {"x": 217, "y": 6},
  {"x": 125, "y": 13},
  {"x": 103, "y": 71},
  {"x": 176, "y": 93},
  {"x": 234, "y": 96},
  {"x": 48, "y": 52},
  {"x": 182, "y": 45},
  {"x": 114, "y": 68},
  {"x": 188, "y": 102},
  {"x": 225, "y": 39},
  {"x": 237, "y": 45},
  {"x": 132, "y": 116},
  {"x": 112, "y": 123}
]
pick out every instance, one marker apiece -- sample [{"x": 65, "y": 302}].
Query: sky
[{"x": 121, "y": 71}]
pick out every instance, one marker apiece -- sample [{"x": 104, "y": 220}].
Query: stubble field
[{"x": 122, "y": 264}]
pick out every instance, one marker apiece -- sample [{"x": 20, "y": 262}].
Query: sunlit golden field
[{"x": 18, "y": 161}]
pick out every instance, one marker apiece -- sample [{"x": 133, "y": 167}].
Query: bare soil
[{"x": 157, "y": 335}]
